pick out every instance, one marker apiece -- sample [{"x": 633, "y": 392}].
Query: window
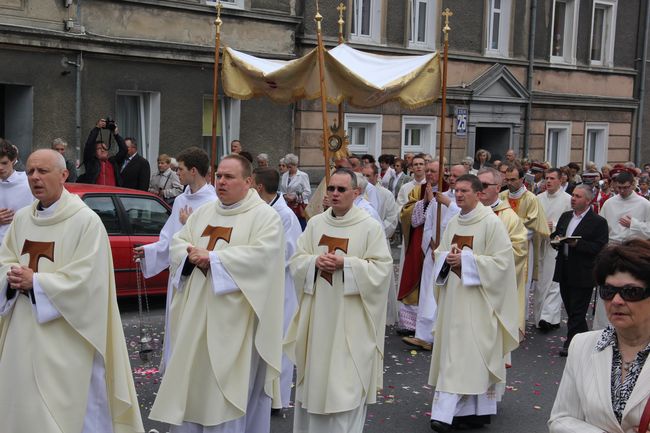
[
  {"x": 498, "y": 28},
  {"x": 229, "y": 115},
  {"x": 596, "y": 135},
  {"x": 422, "y": 24},
  {"x": 365, "y": 21},
  {"x": 419, "y": 134},
  {"x": 234, "y": 4},
  {"x": 105, "y": 208},
  {"x": 603, "y": 26},
  {"x": 558, "y": 143},
  {"x": 146, "y": 215},
  {"x": 564, "y": 31},
  {"x": 364, "y": 133},
  {"x": 138, "y": 116}
]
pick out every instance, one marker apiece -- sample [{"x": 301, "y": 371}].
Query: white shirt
[{"x": 14, "y": 194}]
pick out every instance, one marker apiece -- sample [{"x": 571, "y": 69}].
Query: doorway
[
  {"x": 495, "y": 140},
  {"x": 16, "y": 117}
]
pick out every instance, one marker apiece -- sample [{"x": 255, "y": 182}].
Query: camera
[{"x": 110, "y": 124}]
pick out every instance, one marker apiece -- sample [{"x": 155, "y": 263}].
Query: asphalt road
[{"x": 404, "y": 404}]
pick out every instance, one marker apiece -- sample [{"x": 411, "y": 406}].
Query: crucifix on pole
[{"x": 443, "y": 114}]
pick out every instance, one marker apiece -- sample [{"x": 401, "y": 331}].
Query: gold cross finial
[
  {"x": 447, "y": 13},
  {"x": 341, "y": 8},
  {"x": 218, "y": 21}
]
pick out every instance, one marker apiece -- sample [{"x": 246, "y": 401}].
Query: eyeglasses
[
  {"x": 485, "y": 184},
  {"x": 340, "y": 189},
  {"x": 627, "y": 292}
]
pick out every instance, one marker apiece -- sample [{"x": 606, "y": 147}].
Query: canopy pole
[
  {"x": 215, "y": 95},
  {"x": 341, "y": 8},
  {"x": 323, "y": 93},
  {"x": 443, "y": 114}
]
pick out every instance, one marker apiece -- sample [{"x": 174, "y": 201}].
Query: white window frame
[
  {"x": 148, "y": 138},
  {"x": 373, "y": 124},
  {"x": 505, "y": 10},
  {"x": 609, "y": 33},
  {"x": 375, "y": 23},
  {"x": 602, "y": 144},
  {"x": 230, "y": 120},
  {"x": 231, "y": 4},
  {"x": 431, "y": 25},
  {"x": 563, "y": 156},
  {"x": 570, "y": 32},
  {"x": 429, "y": 126}
]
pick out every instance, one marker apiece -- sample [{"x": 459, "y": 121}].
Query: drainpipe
[
  {"x": 642, "y": 72},
  {"x": 77, "y": 118},
  {"x": 531, "y": 61}
]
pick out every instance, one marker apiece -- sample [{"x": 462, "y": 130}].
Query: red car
[{"x": 131, "y": 218}]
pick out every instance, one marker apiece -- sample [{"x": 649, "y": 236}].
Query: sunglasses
[
  {"x": 485, "y": 184},
  {"x": 627, "y": 292},
  {"x": 340, "y": 189}
]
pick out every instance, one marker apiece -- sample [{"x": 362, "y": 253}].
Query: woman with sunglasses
[{"x": 606, "y": 381}]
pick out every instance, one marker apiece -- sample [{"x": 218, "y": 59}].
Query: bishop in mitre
[
  {"x": 226, "y": 313},
  {"x": 64, "y": 367},
  {"x": 476, "y": 324},
  {"x": 341, "y": 270}
]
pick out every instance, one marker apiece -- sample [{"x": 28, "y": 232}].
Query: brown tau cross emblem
[
  {"x": 36, "y": 250},
  {"x": 332, "y": 245},
  {"x": 461, "y": 242},
  {"x": 215, "y": 233}
]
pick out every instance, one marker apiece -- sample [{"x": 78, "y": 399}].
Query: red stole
[{"x": 413, "y": 260}]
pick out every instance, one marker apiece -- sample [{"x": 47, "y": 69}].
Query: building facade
[{"x": 556, "y": 80}]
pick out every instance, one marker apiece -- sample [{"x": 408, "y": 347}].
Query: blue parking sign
[{"x": 461, "y": 121}]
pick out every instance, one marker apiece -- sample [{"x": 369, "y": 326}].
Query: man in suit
[
  {"x": 575, "y": 259},
  {"x": 135, "y": 170}
]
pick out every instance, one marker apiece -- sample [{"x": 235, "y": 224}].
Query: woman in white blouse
[
  {"x": 296, "y": 188},
  {"x": 606, "y": 381}
]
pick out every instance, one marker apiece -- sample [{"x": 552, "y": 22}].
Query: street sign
[{"x": 461, "y": 121}]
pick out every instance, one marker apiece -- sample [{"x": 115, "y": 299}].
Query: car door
[
  {"x": 105, "y": 206},
  {"x": 146, "y": 216}
]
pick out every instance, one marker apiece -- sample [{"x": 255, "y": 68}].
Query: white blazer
[{"x": 583, "y": 402}]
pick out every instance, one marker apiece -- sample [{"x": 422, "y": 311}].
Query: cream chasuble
[
  {"x": 476, "y": 324},
  {"x": 336, "y": 337},
  {"x": 519, "y": 239},
  {"x": 532, "y": 215},
  {"x": 221, "y": 320},
  {"x": 156, "y": 255},
  {"x": 548, "y": 302},
  {"x": 47, "y": 360}
]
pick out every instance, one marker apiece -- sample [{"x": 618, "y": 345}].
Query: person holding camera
[{"x": 100, "y": 168}]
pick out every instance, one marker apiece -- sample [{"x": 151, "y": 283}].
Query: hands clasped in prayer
[
  {"x": 20, "y": 278},
  {"x": 199, "y": 257},
  {"x": 454, "y": 257},
  {"x": 329, "y": 262}
]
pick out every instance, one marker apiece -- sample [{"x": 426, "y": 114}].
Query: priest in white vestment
[
  {"x": 14, "y": 189},
  {"x": 628, "y": 217},
  {"x": 388, "y": 216},
  {"x": 64, "y": 366},
  {"x": 361, "y": 202},
  {"x": 341, "y": 270},
  {"x": 547, "y": 307},
  {"x": 266, "y": 182},
  {"x": 193, "y": 164},
  {"x": 476, "y": 323},
  {"x": 226, "y": 314}
]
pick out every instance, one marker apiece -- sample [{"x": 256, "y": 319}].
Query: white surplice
[
  {"x": 14, "y": 194},
  {"x": 156, "y": 255}
]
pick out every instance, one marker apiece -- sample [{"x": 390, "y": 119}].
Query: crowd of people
[{"x": 268, "y": 276}]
